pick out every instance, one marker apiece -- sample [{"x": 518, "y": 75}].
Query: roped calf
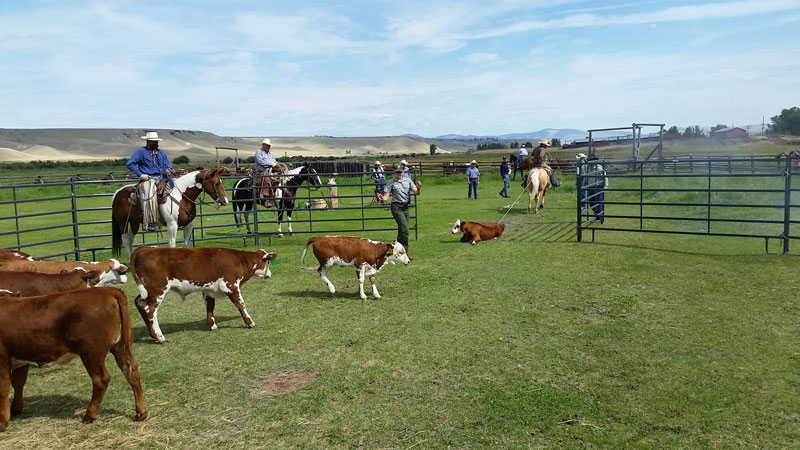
[
  {"x": 30, "y": 284},
  {"x": 216, "y": 272},
  {"x": 86, "y": 323},
  {"x": 110, "y": 271},
  {"x": 367, "y": 256},
  {"x": 478, "y": 231}
]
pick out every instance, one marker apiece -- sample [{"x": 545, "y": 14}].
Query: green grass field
[{"x": 531, "y": 341}]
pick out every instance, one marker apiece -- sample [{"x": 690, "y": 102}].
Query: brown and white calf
[
  {"x": 110, "y": 271},
  {"x": 86, "y": 323},
  {"x": 6, "y": 254},
  {"x": 30, "y": 284},
  {"x": 215, "y": 272},
  {"x": 478, "y": 231},
  {"x": 367, "y": 256}
]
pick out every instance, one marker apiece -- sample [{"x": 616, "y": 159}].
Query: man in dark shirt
[{"x": 504, "y": 174}]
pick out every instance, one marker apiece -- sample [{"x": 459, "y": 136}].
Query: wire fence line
[{"x": 72, "y": 219}]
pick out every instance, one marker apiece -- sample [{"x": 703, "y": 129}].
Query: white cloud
[{"x": 480, "y": 58}]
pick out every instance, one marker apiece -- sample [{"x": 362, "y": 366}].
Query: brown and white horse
[
  {"x": 538, "y": 182},
  {"x": 524, "y": 165},
  {"x": 178, "y": 211}
]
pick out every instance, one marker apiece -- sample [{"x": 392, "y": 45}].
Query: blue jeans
[
  {"x": 473, "y": 187},
  {"x": 506, "y": 183}
]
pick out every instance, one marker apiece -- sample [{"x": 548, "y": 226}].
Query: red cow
[
  {"x": 6, "y": 254},
  {"x": 216, "y": 272},
  {"x": 478, "y": 231},
  {"x": 111, "y": 271},
  {"x": 86, "y": 323},
  {"x": 29, "y": 284},
  {"x": 367, "y": 256}
]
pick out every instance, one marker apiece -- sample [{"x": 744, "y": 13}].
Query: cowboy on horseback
[
  {"x": 539, "y": 156},
  {"x": 150, "y": 164},
  {"x": 267, "y": 165}
]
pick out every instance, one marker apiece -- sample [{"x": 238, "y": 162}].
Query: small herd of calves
[{"x": 55, "y": 311}]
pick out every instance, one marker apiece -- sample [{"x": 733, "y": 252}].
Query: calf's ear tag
[{"x": 273, "y": 262}]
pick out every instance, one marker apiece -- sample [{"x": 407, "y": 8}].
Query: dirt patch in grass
[{"x": 282, "y": 382}]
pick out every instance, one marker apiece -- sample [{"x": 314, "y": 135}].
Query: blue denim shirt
[
  {"x": 142, "y": 162},
  {"x": 473, "y": 173}
]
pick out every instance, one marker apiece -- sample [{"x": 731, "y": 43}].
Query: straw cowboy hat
[
  {"x": 544, "y": 141},
  {"x": 266, "y": 141},
  {"x": 404, "y": 162},
  {"x": 473, "y": 162},
  {"x": 377, "y": 163},
  {"x": 580, "y": 155},
  {"x": 151, "y": 136}
]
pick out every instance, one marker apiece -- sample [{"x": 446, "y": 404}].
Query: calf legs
[
  {"x": 130, "y": 368},
  {"x": 149, "y": 312},
  {"x": 96, "y": 367},
  {"x": 18, "y": 378},
  {"x": 5, "y": 390}
]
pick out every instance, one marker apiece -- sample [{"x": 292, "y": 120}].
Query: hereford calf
[
  {"x": 366, "y": 256},
  {"x": 216, "y": 272},
  {"x": 110, "y": 272},
  {"x": 87, "y": 323},
  {"x": 478, "y": 231},
  {"x": 6, "y": 254},
  {"x": 29, "y": 284}
]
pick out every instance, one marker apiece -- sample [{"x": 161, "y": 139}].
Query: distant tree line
[
  {"x": 787, "y": 122},
  {"x": 37, "y": 165}
]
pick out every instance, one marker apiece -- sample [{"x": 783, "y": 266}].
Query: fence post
[
  {"x": 76, "y": 236},
  {"x": 580, "y": 197},
  {"x": 16, "y": 215},
  {"x": 787, "y": 197},
  {"x": 254, "y": 198}
]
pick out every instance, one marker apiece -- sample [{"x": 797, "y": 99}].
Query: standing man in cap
[
  {"x": 265, "y": 163},
  {"x": 473, "y": 178},
  {"x": 379, "y": 177},
  {"x": 150, "y": 164},
  {"x": 504, "y": 175},
  {"x": 400, "y": 188},
  {"x": 539, "y": 156}
]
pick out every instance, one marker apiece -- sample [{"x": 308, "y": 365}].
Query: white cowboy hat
[
  {"x": 473, "y": 162},
  {"x": 377, "y": 163},
  {"x": 404, "y": 162},
  {"x": 544, "y": 141},
  {"x": 580, "y": 155},
  {"x": 151, "y": 136},
  {"x": 266, "y": 141}
]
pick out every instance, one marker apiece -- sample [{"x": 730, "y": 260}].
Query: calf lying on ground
[
  {"x": 478, "y": 231},
  {"x": 216, "y": 272},
  {"x": 29, "y": 284},
  {"x": 110, "y": 272},
  {"x": 366, "y": 256},
  {"x": 86, "y": 323}
]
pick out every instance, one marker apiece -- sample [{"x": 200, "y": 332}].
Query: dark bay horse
[
  {"x": 244, "y": 194},
  {"x": 524, "y": 166},
  {"x": 177, "y": 210}
]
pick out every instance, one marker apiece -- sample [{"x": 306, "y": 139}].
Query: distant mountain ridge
[{"x": 563, "y": 134}]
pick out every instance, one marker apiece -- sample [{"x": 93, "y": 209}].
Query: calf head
[
  {"x": 396, "y": 254},
  {"x": 91, "y": 277},
  {"x": 456, "y": 227},
  {"x": 262, "y": 266},
  {"x": 114, "y": 275}
]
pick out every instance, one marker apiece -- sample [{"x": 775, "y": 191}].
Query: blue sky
[{"x": 373, "y": 68}]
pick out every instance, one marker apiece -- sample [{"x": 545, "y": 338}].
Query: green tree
[
  {"x": 227, "y": 160},
  {"x": 555, "y": 142},
  {"x": 673, "y": 129},
  {"x": 719, "y": 126},
  {"x": 183, "y": 159},
  {"x": 788, "y": 122},
  {"x": 433, "y": 149}
]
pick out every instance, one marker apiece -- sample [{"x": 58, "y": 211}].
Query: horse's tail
[
  {"x": 116, "y": 233},
  {"x": 533, "y": 181},
  {"x": 305, "y": 249}
]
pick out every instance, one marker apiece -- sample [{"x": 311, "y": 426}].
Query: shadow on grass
[
  {"x": 61, "y": 406},
  {"x": 547, "y": 232},
  {"x": 141, "y": 334},
  {"x": 322, "y": 294},
  {"x": 704, "y": 252}
]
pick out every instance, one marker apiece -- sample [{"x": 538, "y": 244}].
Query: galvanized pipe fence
[
  {"x": 729, "y": 196},
  {"x": 72, "y": 220}
]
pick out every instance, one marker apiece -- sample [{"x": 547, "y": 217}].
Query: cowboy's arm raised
[{"x": 417, "y": 188}]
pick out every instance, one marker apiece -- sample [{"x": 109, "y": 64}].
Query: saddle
[{"x": 162, "y": 192}]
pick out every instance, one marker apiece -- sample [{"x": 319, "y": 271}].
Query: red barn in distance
[{"x": 729, "y": 133}]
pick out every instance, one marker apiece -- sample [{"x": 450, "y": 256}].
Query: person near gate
[
  {"x": 378, "y": 175},
  {"x": 504, "y": 175},
  {"x": 151, "y": 165},
  {"x": 597, "y": 183},
  {"x": 473, "y": 179},
  {"x": 400, "y": 189}
]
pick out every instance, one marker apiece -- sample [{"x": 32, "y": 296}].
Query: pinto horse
[
  {"x": 538, "y": 182},
  {"x": 177, "y": 210},
  {"x": 524, "y": 166},
  {"x": 245, "y": 194}
]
